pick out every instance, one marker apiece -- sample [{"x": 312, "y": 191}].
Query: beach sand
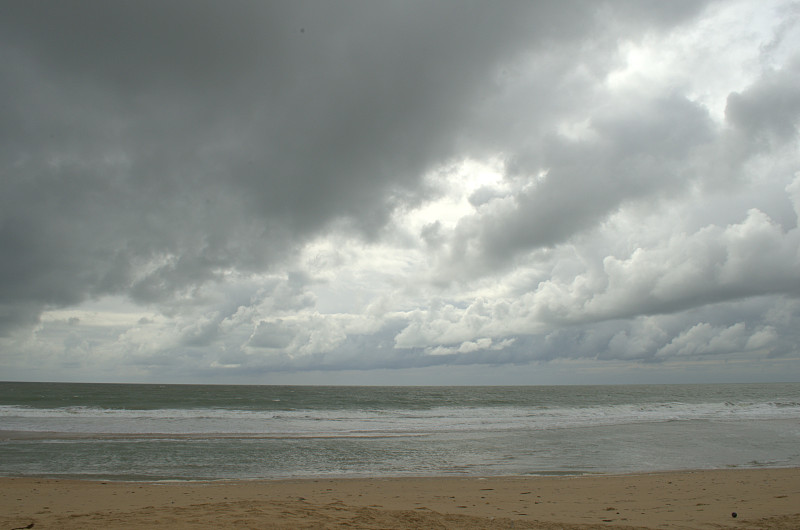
[{"x": 761, "y": 498}]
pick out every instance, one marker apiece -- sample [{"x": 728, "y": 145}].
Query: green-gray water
[{"x": 186, "y": 432}]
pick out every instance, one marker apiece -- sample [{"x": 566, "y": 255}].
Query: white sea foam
[{"x": 356, "y": 422}]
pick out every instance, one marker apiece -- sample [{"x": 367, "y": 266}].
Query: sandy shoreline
[{"x": 762, "y": 498}]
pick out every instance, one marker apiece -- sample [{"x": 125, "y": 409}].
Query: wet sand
[{"x": 761, "y": 498}]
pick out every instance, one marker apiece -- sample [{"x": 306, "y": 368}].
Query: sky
[{"x": 400, "y": 192}]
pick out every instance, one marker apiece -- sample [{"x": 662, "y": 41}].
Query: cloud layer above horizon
[{"x": 206, "y": 191}]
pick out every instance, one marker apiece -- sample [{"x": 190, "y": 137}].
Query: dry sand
[{"x": 761, "y": 498}]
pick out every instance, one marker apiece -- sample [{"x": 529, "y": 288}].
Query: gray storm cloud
[{"x": 147, "y": 146}]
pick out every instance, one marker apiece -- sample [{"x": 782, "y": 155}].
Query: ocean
[{"x": 214, "y": 432}]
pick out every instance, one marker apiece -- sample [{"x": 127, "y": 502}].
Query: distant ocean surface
[{"x": 202, "y": 432}]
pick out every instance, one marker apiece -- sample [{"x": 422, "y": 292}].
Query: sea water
[{"x": 202, "y": 432}]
